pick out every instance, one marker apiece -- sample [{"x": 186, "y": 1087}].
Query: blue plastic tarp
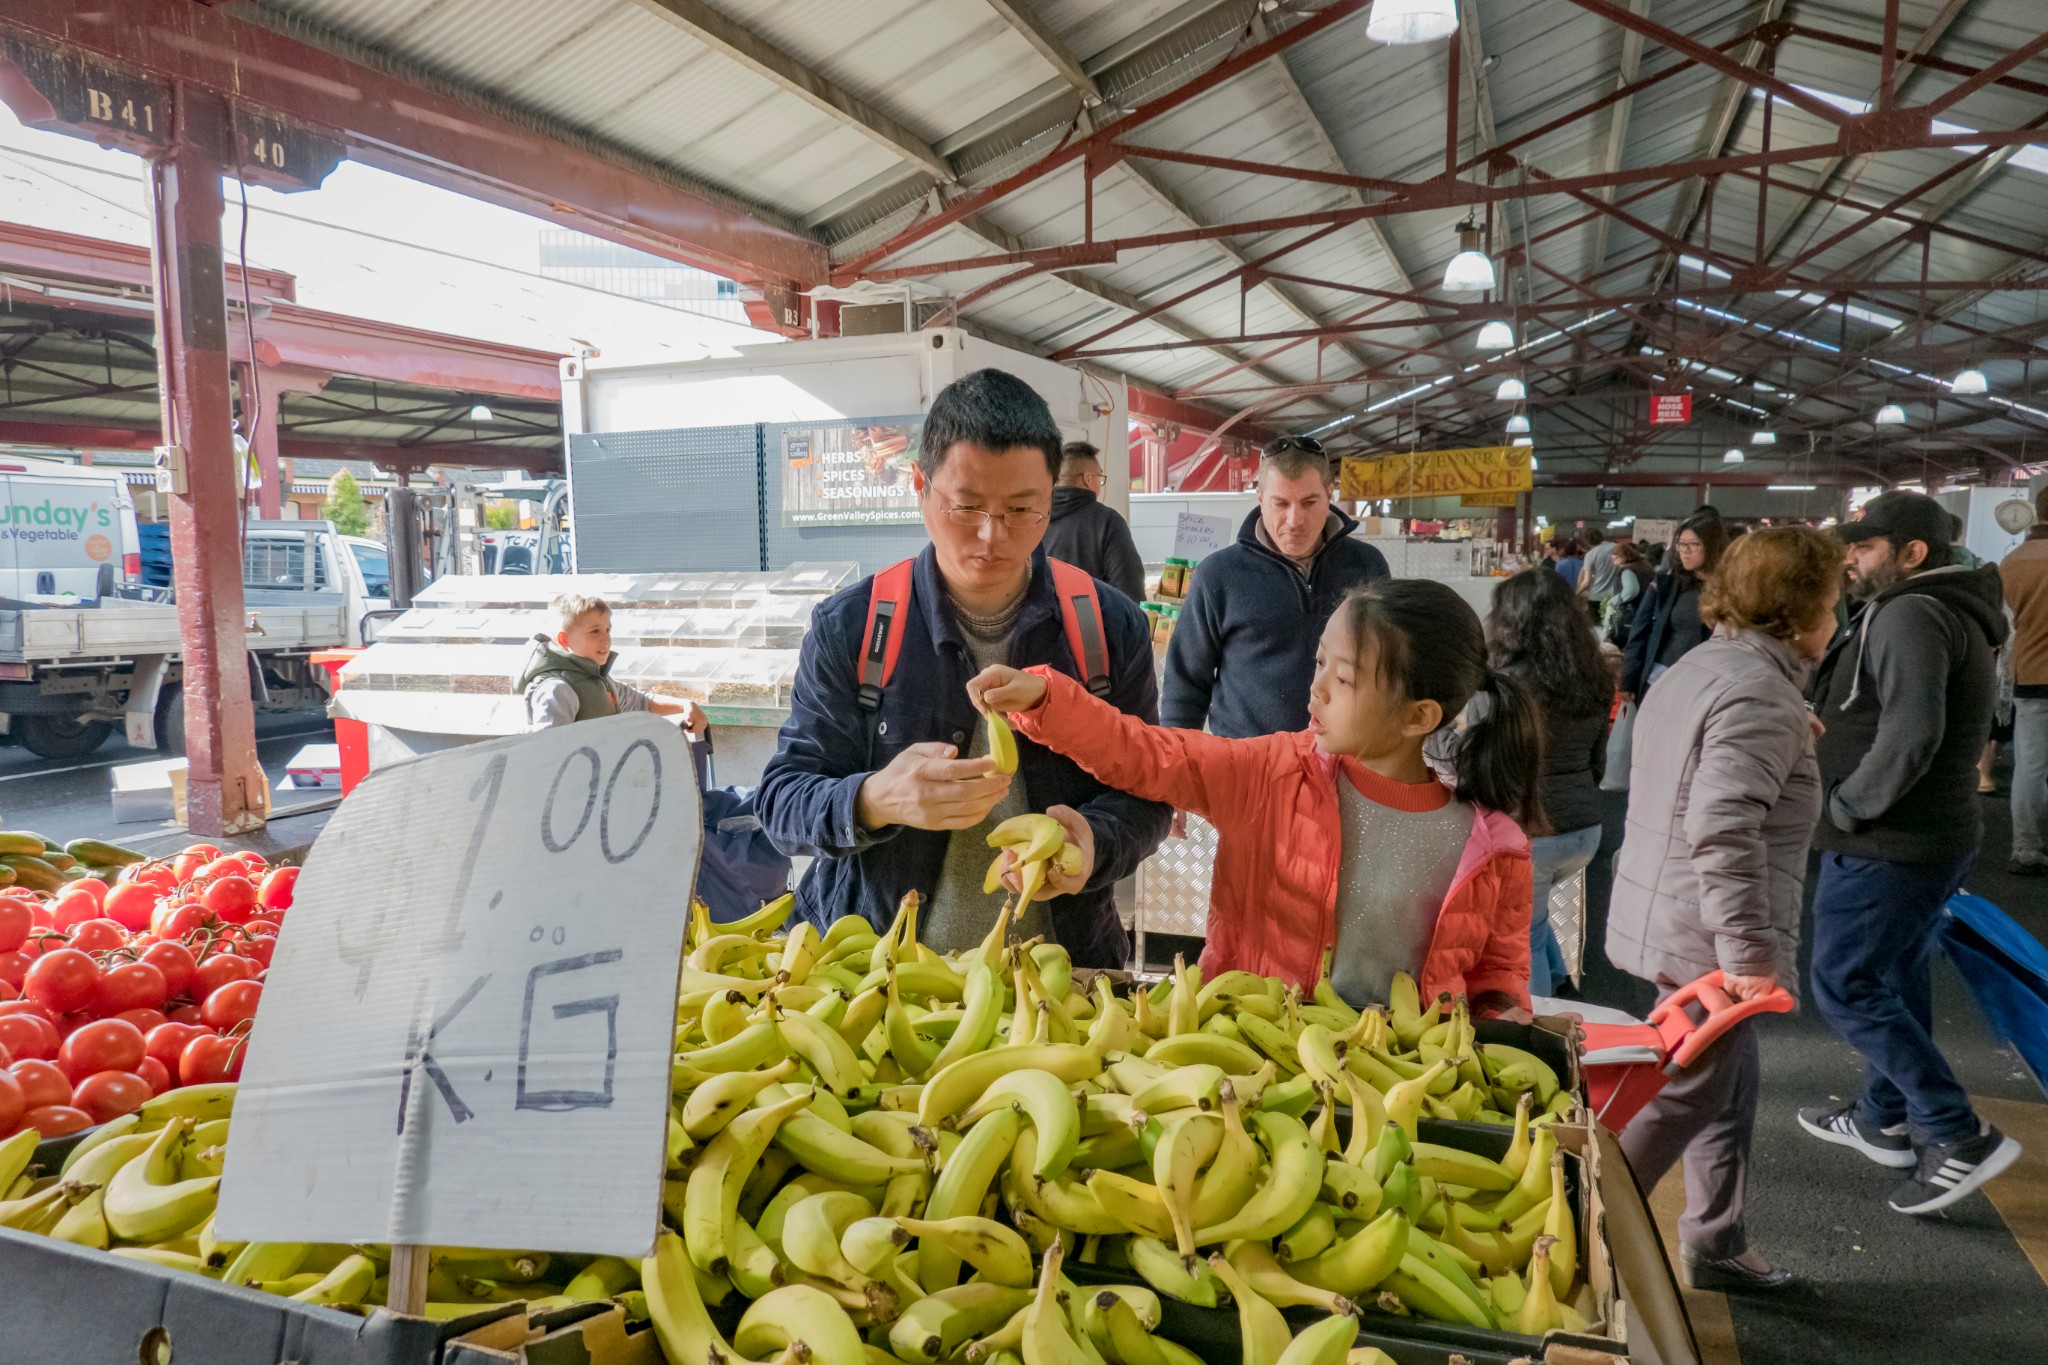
[{"x": 2006, "y": 969}]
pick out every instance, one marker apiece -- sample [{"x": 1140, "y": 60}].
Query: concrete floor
[{"x": 1962, "y": 1288}]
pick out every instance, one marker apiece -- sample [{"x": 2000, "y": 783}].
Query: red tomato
[
  {"x": 107, "y": 1095},
  {"x": 13, "y": 967},
  {"x": 157, "y": 875},
  {"x": 210, "y": 1059},
  {"x": 231, "y": 898},
  {"x": 27, "y": 1007},
  {"x": 255, "y": 862},
  {"x": 13, "y": 1104},
  {"x": 63, "y": 979},
  {"x": 41, "y": 1083},
  {"x": 130, "y": 986},
  {"x": 103, "y": 1045},
  {"x": 16, "y": 919},
  {"x": 176, "y": 919},
  {"x": 29, "y": 1037},
  {"x": 57, "y": 1120},
  {"x": 144, "y": 1019},
  {"x": 176, "y": 963},
  {"x": 95, "y": 887},
  {"x": 73, "y": 907},
  {"x": 6, "y": 1060},
  {"x": 217, "y": 971},
  {"x": 259, "y": 950},
  {"x": 186, "y": 1014},
  {"x": 156, "y": 1073},
  {"x": 230, "y": 1004},
  {"x": 98, "y": 936},
  {"x": 166, "y": 1041},
  {"x": 185, "y": 866},
  {"x": 130, "y": 905},
  {"x": 278, "y": 887}
]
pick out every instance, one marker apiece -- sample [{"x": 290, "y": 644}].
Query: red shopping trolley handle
[{"x": 1685, "y": 1040}]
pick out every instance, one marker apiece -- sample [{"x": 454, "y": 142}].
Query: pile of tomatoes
[{"x": 110, "y": 994}]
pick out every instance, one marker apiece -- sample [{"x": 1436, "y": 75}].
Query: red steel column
[{"x": 191, "y": 323}]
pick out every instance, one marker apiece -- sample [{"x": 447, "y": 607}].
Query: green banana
[
  {"x": 936, "y": 1326},
  {"x": 1294, "y": 1183},
  {"x": 1356, "y": 1265},
  {"x": 962, "y": 1184},
  {"x": 1049, "y": 1105},
  {"x": 1163, "y": 1269},
  {"x": 1255, "y": 1263}
]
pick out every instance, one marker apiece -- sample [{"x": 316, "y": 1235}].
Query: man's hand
[
  {"x": 1815, "y": 724},
  {"x": 925, "y": 787},
  {"x": 1748, "y": 987},
  {"x": 1058, "y": 883},
  {"x": 997, "y": 688}
]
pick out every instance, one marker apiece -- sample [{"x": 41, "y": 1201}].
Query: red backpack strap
[
  {"x": 882, "y": 640},
  {"x": 1076, "y": 589}
]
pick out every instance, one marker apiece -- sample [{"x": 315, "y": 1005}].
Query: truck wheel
[
  {"x": 170, "y": 720},
  {"x": 61, "y": 736}
]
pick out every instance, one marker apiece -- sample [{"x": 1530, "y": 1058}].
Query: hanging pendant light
[
  {"x": 1497, "y": 336},
  {"x": 1890, "y": 415},
  {"x": 480, "y": 413},
  {"x": 1523, "y": 441},
  {"x": 1532, "y": 459},
  {"x": 1732, "y": 455},
  {"x": 1511, "y": 390},
  {"x": 1411, "y": 21},
  {"x": 1470, "y": 272},
  {"x": 1517, "y": 424},
  {"x": 1763, "y": 438},
  {"x": 1967, "y": 381}
]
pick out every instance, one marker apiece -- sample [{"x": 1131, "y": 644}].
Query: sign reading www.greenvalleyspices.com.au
[{"x": 48, "y": 519}]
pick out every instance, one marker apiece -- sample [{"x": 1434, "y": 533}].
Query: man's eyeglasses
[
  {"x": 1307, "y": 445},
  {"x": 1020, "y": 519}
]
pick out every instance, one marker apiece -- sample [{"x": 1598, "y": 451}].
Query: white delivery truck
[{"x": 67, "y": 532}]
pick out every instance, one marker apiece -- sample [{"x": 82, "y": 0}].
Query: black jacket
[
  {"x": 1647, "y": 631},
  {"x": 806, "y": 797},
  {"x": 1088, "y": 534},
  {"x": 1244, "y": 651},
  {"x": 1907, "y": 696},
  {"x": 1574, "y": 761}
]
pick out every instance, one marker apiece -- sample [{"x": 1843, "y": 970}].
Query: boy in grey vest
[{"x": 569, "y": 677}]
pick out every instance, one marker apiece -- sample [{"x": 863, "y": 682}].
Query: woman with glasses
[{"x": 1668, "y": 626}]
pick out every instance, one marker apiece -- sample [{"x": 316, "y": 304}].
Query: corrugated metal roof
[{"x": 955, "y": 76}]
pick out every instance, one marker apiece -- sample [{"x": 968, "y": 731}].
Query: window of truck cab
[
  {"x": 375, "y": 563},
  {"x": 279, "y": 562}
]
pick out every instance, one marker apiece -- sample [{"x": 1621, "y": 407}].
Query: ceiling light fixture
[
  {"x": 1763, "y": 438},
  {"x": 1395, "y": 22},
  {"x": 1498, "y": 336},
  {"x": 1470, "y": 272},
  {"x": 1517, "y": 424},
  {"x": 1790, "y": 488},
  {"x": 1524, "y": 441},
  {"x": 1732, "y": 455},
  {"x": 479, "y": 413},
  {"x": 1511, "y": 390},
  {"x": 1890, "y": 415},
  {"x": 1968, "y": 381}
]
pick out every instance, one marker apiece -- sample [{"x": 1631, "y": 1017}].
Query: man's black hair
[
  {"x": 992, "y": 409},
  {"x": 1594, "y": 535}
]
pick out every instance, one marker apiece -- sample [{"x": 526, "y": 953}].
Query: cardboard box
[
  {"x": 316, "y": 765},
  {"x": 588, "y": 1334}
]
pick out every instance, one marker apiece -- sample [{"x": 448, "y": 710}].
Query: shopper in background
[
  {"x": 1340, "y": 833},
  {"x": 1597, "y": 577},
  {"x": 1571, "y": 559},
  {"x": 1245, "y": 646},
  {"x": 1906, "y": 696},
  {"x": 569, "y": 675},
  {"x": 1087, "y": 532},
  {"x": 889, "y": 787},
  {"x": 1632, "y": 581},
  {"x": 2025, "y": 576},
  {"x": 1538, "y": 633},
  {"x": 1668, "y": 624},
  {"x": 1723, "y": 793}
]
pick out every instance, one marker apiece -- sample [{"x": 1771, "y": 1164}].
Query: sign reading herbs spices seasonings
[{"x": 850, "y": 473}]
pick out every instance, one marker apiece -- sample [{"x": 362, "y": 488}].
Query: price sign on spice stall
[{"x": 467, "y": 1026}]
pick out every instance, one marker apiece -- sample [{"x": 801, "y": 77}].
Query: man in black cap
[{"x": 1906, "y": 696}]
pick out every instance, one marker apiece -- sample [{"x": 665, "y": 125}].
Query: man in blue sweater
[{"x": 1245, "y": 649}]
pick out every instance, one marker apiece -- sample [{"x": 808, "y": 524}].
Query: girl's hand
[{"x": 998, "y": 688}]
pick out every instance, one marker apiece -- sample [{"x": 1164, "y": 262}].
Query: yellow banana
[
  {"x": 981, "y": 1006},
  {"x": 712, "y": 1197},
  {"x": 1539, "y": 1312},
  {"x": 1310, "y": 1235},
  {"x": 1451, "y": 1166},
  {"x": 348, "y": 1282},
  {"x": 1185, "y": 1049},
  {"x": 962, "y": 1184},
  {"x": 1534, "y": 1185},
  {"x": 820, "y": 1147},
  {"x": 1361, "y": 1261},
  {"x": 1162, "y": 1268},
  {"x": 830, "y": 1056},
  {"x": 1350, "y": 1189},
  {"x": 1294, "y": 1182},
  {"x": 1136, "y": 1206},
  {"x": 936, "y": 1326},
  {"x": 1176, "y": 1169},
  {"x": 604, "y": 1278},
  {"x": 717, "y": 1101},
  {"x": 1256, "y": 1263},
  {"x": 1062, "y": 1202},
  {"x": 1262, "y": 1333},
  {"x": 753, "y": 1046},
  {"x": 84, "y": 1223},
  {"x": 146, "y": 1202},
  {"x": 811, "y": 1231},
  {"x": 1404, "y": 1101},
  {"x": 1034, "y": 837},
  {"x": 956, "y": 1086},
  {"x": 1186, "y": 1087},
  {"x": 1049, "y": 1105},
  {"x": 1327, "y": 1342},
  {"x": 1561, "y": 1228},
  {"x": 1117, "y": 1332},
  {"x": 1234, "y": 1171},
  {"x": 1183, "y": 1007},
  {"x": 1048, "y": 1334},
  {"x": 258, "y": 1261},
  {"x": 16, "y": 1151},
  {"x": 769, "y": 916},
  {"x": 992, "y": 1249},
  {"x": 1420, "y": 1286}
]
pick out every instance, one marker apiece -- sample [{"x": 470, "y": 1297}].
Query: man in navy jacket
[{"x": 900, "y": 800}]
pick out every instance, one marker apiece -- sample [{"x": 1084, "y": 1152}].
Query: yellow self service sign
[
  {"x": 1485, "y": 470},
  {"x": 1488, "y": 499}
]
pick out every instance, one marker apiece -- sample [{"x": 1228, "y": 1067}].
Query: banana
[
  {"x": 1162, "y": 1268},
  {"x": 1321, "y": 1053},
  {"x": 1404, "y": 1101},
  {"x": 1447, "y": 1263},
  {"x": 717, "y": 1101},
  {"x": 875, "y": 1247},
  {"x": 954, "y": 1088},
  {"x": 348, "y": 1282},
  {"x": 717, "y": 954},
  {"x": 1273, "y": 1041},
  {"x": 1450, "y": 1166},
  {"x": 1113, "y": 1150},
  {"x": 98, "y": 1166},
  {"x": 712, "y": 1198},
  {"x": 753, "y": 1046},
  {"x": 981, "y": 1006},
  {"x": 936, "y": 1326},
  {"x": 1516, "y": 1158},
  {"x": 1113, "y": 1030},
  {"x": 1187, "y": 1087},
  {"x": 1183, "y": 1006},
  {"x": 1062, "y": 1202},
  {"x": 1356, "y": 1265},
  {"x": 1540, "y": 1311},
  {"x": 799, "y": 1314},
  {"x": 1176, "y": 1168},
  {"x": 998, "y": 1253},
  {"x": 605, "y": 1277},
  {"x": 1327, "y": 1342},
  {"x": 1034, "y": 837},
  {"x": 912, "y": 1053},
  {"x": 863, "y": 1012},
  {"x": 146, "y": 1202},
  {"x": 823, "y": 1149},
  {"x": 1315, "y": 1230},
  {"x": 1262, "y": 1332},
  {"x": 1293, "y": 1098},
  {"x": 84, "y": 1223},
  {"x": 682, "y": 1325},
  {"x": 1116, "y": 1330},
  {"x": 1529, "y": 1072},
  {"x": 1048, "y": 1332},
  {"x": 1295, "y": 1180},
  {"x": 770, "y": 916},
  {"x": 1350, "y": 1189},
  {"x": 1136, "y": 1206},
  {"x": 1561, "y": 1228},
  {"x": 1055, "y": 967},
  {"x": 755, "y": 1264},
  {"x": 17, "y": 1151},
  {"x": 259, "y": 1261},
  {"x": 1234, "y": 1171},
  {"x": 1049, "y": 1105},
  {"x": 169, "y": 1260},
  {"x": 1255, "y": 1263},
  {"x": 1187, "y": 1049},
  {"x": 830, "y": 1056},
  {"x": 1368, "y": 1116},
  {"x": 962, "y": 1184},
  {"x": 1534, "y": 1186},
  {"x": 811, "y": 1231},
  {"x": 1418, "y": 1285}
]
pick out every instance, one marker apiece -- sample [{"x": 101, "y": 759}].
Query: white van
[{"x": 67, "y": 532}]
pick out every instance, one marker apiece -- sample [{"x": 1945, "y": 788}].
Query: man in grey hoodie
[{"x": 1906, "y": 696}]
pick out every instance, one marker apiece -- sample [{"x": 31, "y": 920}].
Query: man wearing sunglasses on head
[
  {"x": 1244, "y": 650},
  {"x": 882, "y": 773}
]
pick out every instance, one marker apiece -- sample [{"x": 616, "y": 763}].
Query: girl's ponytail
[{"x": 1499, "y": 759}]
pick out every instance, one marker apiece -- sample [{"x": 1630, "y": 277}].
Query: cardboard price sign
[{"x": 467, "y": 1034}]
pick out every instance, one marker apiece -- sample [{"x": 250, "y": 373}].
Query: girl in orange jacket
[{"x": 1341, "y": 834}]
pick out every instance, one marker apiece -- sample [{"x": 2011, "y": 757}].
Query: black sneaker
[
  {"x": 1886, "y": 1146},
  {"x": 1952, "y": 1170}
]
